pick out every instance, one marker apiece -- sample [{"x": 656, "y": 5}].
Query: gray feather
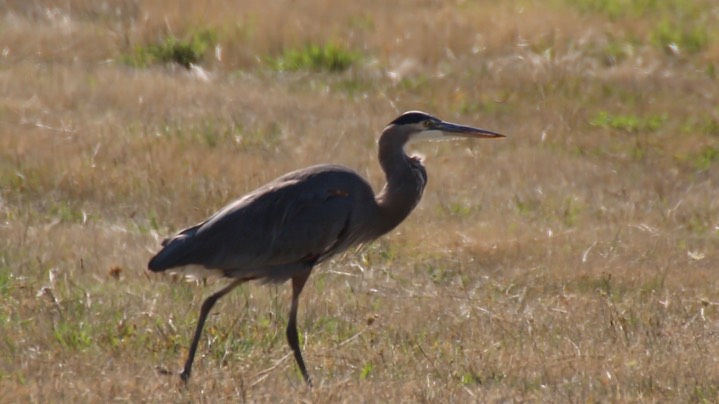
[{"x": 296, "y": 220}]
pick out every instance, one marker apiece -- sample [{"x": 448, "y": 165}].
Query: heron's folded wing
[{"x": 286, "y": 224}]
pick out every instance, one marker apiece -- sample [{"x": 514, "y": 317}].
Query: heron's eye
[{"x": 428, "y": 124}]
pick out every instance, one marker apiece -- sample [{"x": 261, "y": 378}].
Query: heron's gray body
[
  {"x": 283, "y": 229},
  {"x": 280, "y": 229}
]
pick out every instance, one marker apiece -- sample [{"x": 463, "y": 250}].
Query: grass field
[{"x": 577, "y": 260}]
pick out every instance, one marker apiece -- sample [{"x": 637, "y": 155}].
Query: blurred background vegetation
[{"x": 573, "y": 261}]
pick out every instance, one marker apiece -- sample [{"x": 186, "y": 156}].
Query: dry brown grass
[{"x": 574, "y": 261}]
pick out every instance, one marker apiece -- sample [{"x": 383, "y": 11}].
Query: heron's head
[{"x": 418, "y": 125}]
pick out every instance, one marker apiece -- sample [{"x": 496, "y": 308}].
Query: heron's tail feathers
[{"x": 176, "y": 251}]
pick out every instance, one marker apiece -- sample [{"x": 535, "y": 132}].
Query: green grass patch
[
  {"x": 469, "y": 378},
  {"x": 571, "y": 212},
  {"x": 628, "y": 123},
  {"x": 617, "y": 8},
  {"x": 705, "y": 125},
  {"x": 412, "y": 84},
  {"x": 673, "y": 24},
  {"x": 66, "y": 212},
  {"x": 330, "y": 57},
  {"x": 182, "y": 51},
  {"x": 5, "y": 275},
  {"x": 527, "y": 206},
  {"x": 704, "y": 393},
  {"x": 439, "y": 272},
  {"x": 459, "y": 209},
  {"x": 366, "y": 370},
  {"x": 73, "y": 336},
  {"x": 212, "y": 133},
  {"x": 705, "y": 158},
  {"x": 711, "y": 71},
  {"x": 120, "y": 335},
  {"x": 691, "y": 38}
]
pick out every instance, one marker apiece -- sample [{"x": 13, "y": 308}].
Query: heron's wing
[
  {"x": 288, "y": 221},
  {"x": 291, "y": 223}
]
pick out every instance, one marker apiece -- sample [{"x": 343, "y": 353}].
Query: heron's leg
[
  {"x": 298, "y": 282},
  {"x": 204, "y": 311}
]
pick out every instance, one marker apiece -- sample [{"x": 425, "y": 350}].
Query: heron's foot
[{"x": 185, "y": 376}]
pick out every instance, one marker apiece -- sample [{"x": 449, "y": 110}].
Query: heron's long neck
[{"x": 406, "y": 179}]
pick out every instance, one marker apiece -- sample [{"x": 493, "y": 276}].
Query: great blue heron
[{"x": 283, "y": 229}]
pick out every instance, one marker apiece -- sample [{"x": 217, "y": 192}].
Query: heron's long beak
[{"x": 454, "y": 130}]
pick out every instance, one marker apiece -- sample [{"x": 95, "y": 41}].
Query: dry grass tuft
[{"x": 573, "y": 261}]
